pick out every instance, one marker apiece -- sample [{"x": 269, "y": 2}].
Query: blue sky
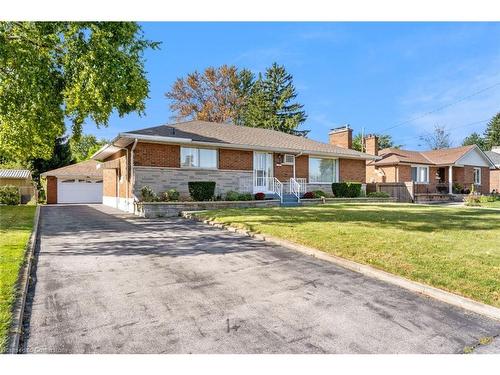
[{"x": 370, "y": 75}]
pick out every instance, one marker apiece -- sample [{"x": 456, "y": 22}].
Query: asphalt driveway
[{"x": 107, "y": 282}]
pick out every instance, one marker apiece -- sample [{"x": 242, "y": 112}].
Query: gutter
[{"x": 244, "y": 147}]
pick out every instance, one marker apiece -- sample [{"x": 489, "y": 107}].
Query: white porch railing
[
  {"x": 297, "y": 187},
  {"x": 277, "y": 188}
]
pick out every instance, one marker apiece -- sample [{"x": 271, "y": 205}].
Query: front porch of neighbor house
[{"x": 450, "y": 179}]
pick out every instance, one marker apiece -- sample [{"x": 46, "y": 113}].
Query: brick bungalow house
[
  {"x": 494, "y": 156},
  {"x": 435, "y": 171},
  {"x": 238, "y": 158}
]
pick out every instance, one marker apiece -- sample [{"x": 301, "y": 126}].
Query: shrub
[
  {"x": 456, "y": 188},
  {"x": 346, "y": 189},
  {"x": 9, "y": 195},
  {"x": 173, "y": 195},
  {"x": 472, "y": 200},
  {"x": 232, "y": 195},
  {"x": 309, "y": 195},
  {"x": 260, "y": 196},
  {"x": 148, "y": 195},
  {"x": 245, "y": 197},
  {"x": 201, "y": 190},
  {"x": 319, "y": 193},
  {"x": 378, "y": 194}
]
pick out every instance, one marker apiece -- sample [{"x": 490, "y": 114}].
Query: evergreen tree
[
  {"x": 492, "y": 132},
  {"x": 384, "y": 141},
  {"x": 61, "y": 157},
  {"x": 271, "y": 103},
  {"x": 475, "y": 139}
]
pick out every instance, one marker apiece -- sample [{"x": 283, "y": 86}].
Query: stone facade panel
[{"x": 162, "y": 179}]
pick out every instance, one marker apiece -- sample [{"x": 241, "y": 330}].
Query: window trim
[
  {"x": 418, "y": 174},
  {"x": 479, "y": 175},
  {"x": 336, "y": 173},
  {"x": 199, "y": 159}
]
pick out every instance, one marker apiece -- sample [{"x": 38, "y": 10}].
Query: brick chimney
[
  {"x": 341, "y": 137},
  {"x": 371, "y": 144}
]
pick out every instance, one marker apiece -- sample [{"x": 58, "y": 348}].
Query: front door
[{"x": 262, "y": 172}]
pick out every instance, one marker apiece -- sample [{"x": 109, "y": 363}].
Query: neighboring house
[
  {"x": 21, "y": 178},
  {"x": 76, "y": 183},
  {"x": 494, "y": 156},
  {"x": 436, "y": 171},
  {"x": 237, "y": 158}
]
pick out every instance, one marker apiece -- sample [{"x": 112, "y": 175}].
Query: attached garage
[{"x": 76, "y": 183}]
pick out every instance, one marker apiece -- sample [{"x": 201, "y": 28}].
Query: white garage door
[{"x": 79, "y": 191}]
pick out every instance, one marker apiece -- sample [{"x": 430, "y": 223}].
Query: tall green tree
[
  {"x": 60, "y": 157},
  {"x": 492, "y": 132},
  {"x": 384, "y": 141},
  {"x": 52, "y": 72},
  {"x": 85, "y": 146},
  {"x": 271, "y": 103},
  {"x": 475, "y": 139}
]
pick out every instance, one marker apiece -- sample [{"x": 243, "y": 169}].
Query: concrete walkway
[{"x": 107, "y": 282}]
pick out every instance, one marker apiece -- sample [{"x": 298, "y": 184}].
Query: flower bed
[{"x": 171, "y": 209}]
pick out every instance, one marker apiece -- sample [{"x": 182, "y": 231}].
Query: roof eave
[{"x": 161, "y": 139}]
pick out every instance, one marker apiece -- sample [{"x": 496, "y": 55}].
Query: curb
[
  {"x": 413, "y": 286},
  {"x": 22, "y": 287}
]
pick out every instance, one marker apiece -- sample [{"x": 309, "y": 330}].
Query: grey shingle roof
[
  {"x": 202, "y": 131},
  {"x": 87, "y": 168},
  {"x": 494, "y": 157},
  {"x": 15, "y": 173}
]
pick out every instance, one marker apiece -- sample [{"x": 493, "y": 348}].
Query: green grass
[
  {"x": 16, "y": 223},
  {"x": 495, "y": 204},
  {"x": 456, "y": 249}
]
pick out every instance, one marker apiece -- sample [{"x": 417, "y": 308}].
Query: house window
[
  {"x": 477, "y": 176},
  {"x": 288, "y": 159},
  {"x": 420, "y": 174},
  {"x": 198, "y": 158},
  {"x": 323, "y": 171}
]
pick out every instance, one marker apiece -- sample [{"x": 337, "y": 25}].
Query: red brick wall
[
  {"x": 352, "y": 170},
  {"x": 51, "y": 189},
  {"x": 465, "y": 177},
  {"x": 302, "y": 166},
  {"x": 495, "y": 180},
  {"x": 342, "y": 138},
  {"x": 109, "y": 182},
  {"x": 282, "y": 172},
  {"x": 157, "y": 155},
  {"x": 235, "y": 159}
]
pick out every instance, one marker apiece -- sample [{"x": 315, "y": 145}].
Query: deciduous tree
[
  {"x": 52, "y": 72},
  {"x": 85, "y": 146},
  {"x": 214, "y": 95},
  {"x": 437, "y": 139}
]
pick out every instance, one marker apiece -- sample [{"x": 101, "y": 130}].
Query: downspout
[
  {"x": 132, "y": 174},
  {"x": 295, "y": 158},
  {"x": 127, "y": 189}
]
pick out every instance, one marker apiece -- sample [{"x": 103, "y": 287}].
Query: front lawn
[
  {"x": 16, "y": 223},
  {"x": 456, "y": 249}
]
